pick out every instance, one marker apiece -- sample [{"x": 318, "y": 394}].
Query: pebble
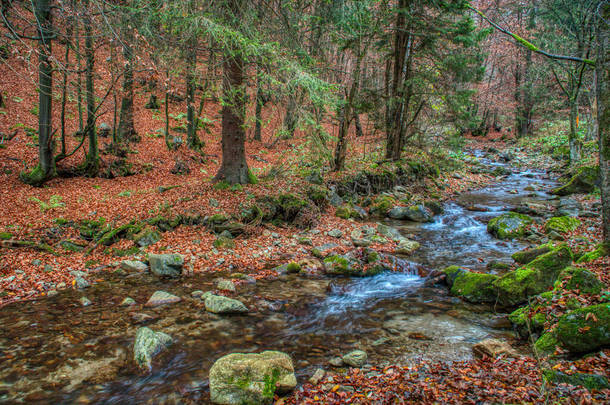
[{"x": 85, "y": 302}]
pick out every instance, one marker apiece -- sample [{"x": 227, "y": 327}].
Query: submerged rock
[
  {"x": 251, "y": 378},
  {"x": 510, "y": 225},
  {"x": 147, "y": 345},
  {"x": 168, "y": 265},
  {"x": 162, "y": 298},
  {"x": 406, "y": 247},
  {"x": 226, "y": 285},
  {"x": 357, "y": 358},
  {"x": 134, "y": 265},
  {"x": 223, "y": 305}
]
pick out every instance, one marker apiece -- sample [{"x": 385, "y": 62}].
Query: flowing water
[{"x": 55, "y": 351}]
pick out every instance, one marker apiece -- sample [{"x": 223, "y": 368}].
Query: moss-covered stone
[
  {"x": 338, "y": 265},
  {"x": 510, "y": 225},
  {"x": 574, "y": 278},
  {"x": 451, "y": 273},
  {"x": 475, "y": 287},
  {"x": 600, "y": 251},
  {"x": 318, "y": 194},
  {"x": 561, "y": 224},
  {"x": 147, "y": 237},
  {"x": 382, "y": 204},
  {"x": 584, "y": 330},
  {"x": 5, "y": 235},
  {"x": 346, "y": 212},
  {"x": 222, "y": 242},
  {"x": 546, "y": 344},
  {"x": 528, "y": 319},
  {"x": 536, "y": 277},
  {"x": 589, "y": 381},
  {"x": 582, "y": 182},
  {"x": 527, "y": 255}
]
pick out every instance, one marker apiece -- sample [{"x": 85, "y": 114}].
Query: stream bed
[{"x": 54, "y": 350}]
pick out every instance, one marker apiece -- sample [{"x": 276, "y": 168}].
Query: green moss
[
  {"x": 574, "y": 278},
  {"x": 318, "y": 195},
  {"x": 336, "y": 264},
  {"x": 582, "y": 182},
  {"x": 111, "y": 236},
  {"x": 382, "y": 204},
  {"x": 252, "y": 179},
  {"x": 527, "y": 255},
  {"x": 452, "y": 273},
  {"x": 36, "y": 177},
  {"x": 538, "y": 276},
  {"x": 372, "y": 257},
  {"x": 217, "y": 219},
  {"x": 293, "y": 267},
  {"x": 584, "y": 330},
  {"x": 561, "y": 224},
  {"x": 509, "y": 226},
  {"x": 600, "y": 251},
  {"x": 589, "y": 381},
  {"x": 475, "y": 287},
  {"x": 5, "y": 235},
  {"x": 345, "y": 211},
  {"x": 222, "y": 242},
  {"x": 529, "y": 319},
  {"x": 546, "y": 344},
  {"x": 222, "y": 185}
]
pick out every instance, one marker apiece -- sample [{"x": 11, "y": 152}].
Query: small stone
[
  {"x": 197, "y": 294},
  {"x": 222, "y": 305},
  {"x": 127, "y": 302},
  {"x": 335, "y": 362},
  {"x": 48, "y": 268},
  {"x": 134, "y": 265},
  {"x": 362, "y": 242},
  {"x": 80, "y": 282},
  {"x": 147, "y": 345},
  {"x": 169, "y": 265},
  {"x": 317, "y": 376},
  {"x": 52, "y": 293},
  {"x": 214, "y": 203},
  {"x": 142, "y": 318},
  {"x": 226, "y": 285},
  {"x": 357, "y": 358},
  {"x": 162, "y": 298},
  {"x": 492, "y": 348},
  {"x": 335, "y": 233},
  {"x": 61, "y": 286},
  {"x": 85, "y": 302}
]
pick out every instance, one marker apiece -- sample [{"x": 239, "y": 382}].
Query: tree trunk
[
  {"x": 573, "y": 135},
  {"x": 234, "y": 168},
  {"x": 46, "y": 158},
  {"x": 603, "y": 114},
  {"x": 191, "y": 129},
  {"x": 127, "y": 130},
  {"x": 259, "y": 107},
  {"x": 359, "y": 132},
  {"x": 290, "y": 119},
  {"x": 64, "y": 84},
  {"x": 92, "y": 162}
]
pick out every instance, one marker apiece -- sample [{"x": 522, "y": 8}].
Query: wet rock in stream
[
  {"x": 219, "y": 304},
  {"x": 148, "y": 344}
]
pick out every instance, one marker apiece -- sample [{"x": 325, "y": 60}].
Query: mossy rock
[
  {"x": 216, "y": 219},
  {"x": 222, "y": 242},
  {"x": 382, "y": 204},
  {"x": 290, "y": 268},
  {"x": 72, "y": 246},
  {"x": 148, "y": 236},
  {"x": 113, "y": 235},
  {"x": 584, "y": 330},
  {"x": 496, "y": 265},
  {"x": 318, "y": 195},
  {"x": 589, "y": 381},
  {"x": 345, "y": 265},
  {"x": 291, "y": 205},
  {"x": 452, "y": 273},
  {"x": 6, "y": 235},
  {"x": 527, "y": 255},
  {"x": 561, "y": 224},
  {"x": 345, "y": 212},
  {"x": 546, "y": 344},
  {"x": 600, "y": 251},
  {"x": 536, "y": 277},
  {"x": 583, "y": 181},
  {"x": 528, "y": 319},
  {"x": 510, "y": 225},
  {"x": 475, "y": 287},
  {"x": 574, "y": 278}
]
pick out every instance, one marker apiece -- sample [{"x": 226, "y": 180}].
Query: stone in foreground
[
  {"x": 251, "y": 378},
  {"x": 492, "y": 348},
  {"x": 161, "y": 298},
  {"x": 168, "y": 265},
  {"x": 224, "y": 305},
  {"x": 134, "y": 265},
  {"x": 147, "y": 345},
  {"x": 357, "y": 358}
]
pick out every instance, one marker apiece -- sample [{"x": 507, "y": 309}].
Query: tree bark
[
  {"x": 46, "y": 158},
  {"x": 127, "y": 130},
  {"x": 234, "y": 168},
  {"x": 573, "y": 135},
  {"x": 191, "y": 128},
  {"x": 603, "y": 114},
  {"x": 92, "y": 161}
]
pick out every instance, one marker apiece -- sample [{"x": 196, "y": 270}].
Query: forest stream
[{"x": 54, "y": 350}]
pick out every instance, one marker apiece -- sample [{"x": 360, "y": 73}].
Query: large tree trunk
[
  {"x": 192, "y": 139},
  {"x": 603, "y": 114},
  {"x": 127, "y": 130},
  {"x": 258, "y": 113},
  {"x": 46, "y": 158},
  {"x": 234, "y": 168},
  {"x": 92, "y": 162}
]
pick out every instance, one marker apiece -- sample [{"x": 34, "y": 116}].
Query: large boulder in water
[
  {"x": 148, "y": 344},
  {"x": 251, "y": 378},
  {"x": 168, "y": 265},
  {"x": 219, "y": 304},
  {"x": 415, "y": 213},
  {"x": 510, "y": 225},
  {"x": 536, "y": 277},
  {"x": 582, "y": 182},
  {"x": 473, "y": 287}
]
